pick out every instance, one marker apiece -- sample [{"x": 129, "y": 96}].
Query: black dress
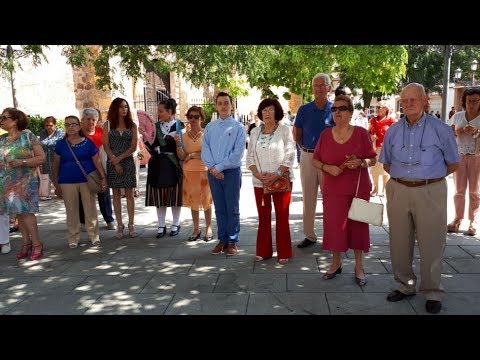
[{"x": 164, "y": 177}]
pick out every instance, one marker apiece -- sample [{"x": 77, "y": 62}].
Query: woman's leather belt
[{"x": 415, "y": 183}]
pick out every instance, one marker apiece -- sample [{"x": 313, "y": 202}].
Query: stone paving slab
[
  {"x": 366, "y": 304},
  {"x": 315, "y": 283},
  {"x": 287, "y": 304},
  {"x": 466, "y": 266},
  {"x": 446, "y": 268},
  {"x": 52, "y": 304},
  {"x": 8, "y": 301},
  {"x": 208, "y": 304},
  {"x": 120, "y": 284},
  {"x": 259, "y": 283},
  {"x": 190, "y": 283},
  {"x": 131, "y": 304}
]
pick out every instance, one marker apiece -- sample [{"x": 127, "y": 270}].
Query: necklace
[
  {"x": 342, "y": 139},
  {"x": 195, "y": 136}
]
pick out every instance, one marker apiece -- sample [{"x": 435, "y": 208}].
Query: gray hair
[
  {"x": 323, "y": 76},
  {"x": 90, "y": 112}
]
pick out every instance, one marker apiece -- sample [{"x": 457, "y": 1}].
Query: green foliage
[
  {"x": 209, "y": 109},
  {"x": 36, "y": 124}
]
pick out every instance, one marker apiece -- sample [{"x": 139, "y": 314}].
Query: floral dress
[{"x": 18, "y": 186}]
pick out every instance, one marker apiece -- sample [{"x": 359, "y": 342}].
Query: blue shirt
[
  {"x": 419, "y": 151},
  {"x": 70, "y": 172},
  {"x": 313, "y": 121},
  {"x": 223, "y": 144}
]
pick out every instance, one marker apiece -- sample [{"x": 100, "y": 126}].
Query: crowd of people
[{"x": 199, "y": 166}]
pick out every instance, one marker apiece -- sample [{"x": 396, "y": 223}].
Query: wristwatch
[{"x": 24, "y": 162}]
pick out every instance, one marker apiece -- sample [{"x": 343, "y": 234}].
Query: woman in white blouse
[
  {"x": 467, "y": 127},
  {"x": 270, "y": 154}
]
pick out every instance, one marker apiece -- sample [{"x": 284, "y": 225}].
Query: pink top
[{"x": 329, "y": 152}]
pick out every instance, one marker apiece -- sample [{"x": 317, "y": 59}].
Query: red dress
[{"x": 339, "y": 232}]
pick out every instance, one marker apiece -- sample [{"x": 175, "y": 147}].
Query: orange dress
[{"x": 196, "y": 190}]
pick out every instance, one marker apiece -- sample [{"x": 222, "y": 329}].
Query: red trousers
[{"x": 281, "y": 201}]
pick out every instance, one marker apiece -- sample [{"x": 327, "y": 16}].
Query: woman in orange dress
[{"x": 196, "y": 190}]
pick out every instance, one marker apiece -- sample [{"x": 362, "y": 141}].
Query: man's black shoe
[
  {"x": 433, "y": 306},
  {"x": 305, "y": 243},
  {"x": 396, "y": 295}
]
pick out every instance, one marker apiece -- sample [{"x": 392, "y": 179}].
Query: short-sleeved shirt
[
  {"x": 70, "y": 172},
  {"x": 313, "y": 121}
]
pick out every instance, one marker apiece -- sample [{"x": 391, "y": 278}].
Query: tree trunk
[{"x": 367, "y": 99}]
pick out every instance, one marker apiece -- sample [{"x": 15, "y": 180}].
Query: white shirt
[{"x": 270, "y": 151}]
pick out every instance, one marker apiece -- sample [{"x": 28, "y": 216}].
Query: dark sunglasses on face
[
  {"x": 196, "y": 117},
  {"x": 339, "y": 108},
  {"x": 3, "y": 117}
]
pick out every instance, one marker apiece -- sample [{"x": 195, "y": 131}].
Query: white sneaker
[{"x": 6, "y": 248}]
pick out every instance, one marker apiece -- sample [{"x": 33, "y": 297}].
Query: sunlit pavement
[{"x": 145, "y": 275}]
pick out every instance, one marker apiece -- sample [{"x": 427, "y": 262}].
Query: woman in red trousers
[{"x": 270, "y": 155}]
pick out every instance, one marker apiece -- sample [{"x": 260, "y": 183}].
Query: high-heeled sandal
[
  {"x": 471, "y": 230},
  {"x": 131, "y": 231},
  {"x": 360, "y": 281},
  {"x": 454, "y": 225},
  {"x": 119, "y": 234},
  {"x": 24, "y": 251},
  {"x": 36, "y": 254}
]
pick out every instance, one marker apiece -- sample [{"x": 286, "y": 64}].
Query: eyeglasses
[
  {"x": 339, "y": 108},
  {"x": 3, "y": 117},
  {"x": 67, "y": 125},
  {"x": 268, "y": 110},
  {"x": 196, "y": 117},
  {"x": 321, "y": 86},
  {"x": 473, "y": 102}
]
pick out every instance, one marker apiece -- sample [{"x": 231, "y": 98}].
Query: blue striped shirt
[
  {"x": 223, "y": 144},
  {"x": 421, "y": 150}
]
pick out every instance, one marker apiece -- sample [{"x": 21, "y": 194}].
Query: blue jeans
[
  {"x": 226, "y": 197},
  {"x": 105, "y": 204}
]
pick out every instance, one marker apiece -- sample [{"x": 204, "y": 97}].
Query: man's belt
[
  {"x": 415, "y": 183},
  {"x": 308, "y": 150}
]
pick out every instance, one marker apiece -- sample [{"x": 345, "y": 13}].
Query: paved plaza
[{"x": 171, "y": 276}]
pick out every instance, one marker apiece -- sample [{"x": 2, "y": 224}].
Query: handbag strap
[
  {"x": 76, "y": 159},
  {"x": 358, "y": 182}
]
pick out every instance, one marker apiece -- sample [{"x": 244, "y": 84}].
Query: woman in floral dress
[{"x": 20, "y": 154}]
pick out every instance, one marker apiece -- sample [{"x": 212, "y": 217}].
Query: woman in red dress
[{"x": 343, "y": 153}]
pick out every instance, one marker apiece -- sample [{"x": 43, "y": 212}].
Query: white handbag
[{"x": 365, "y": 211}]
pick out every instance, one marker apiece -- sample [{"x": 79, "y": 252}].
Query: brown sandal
[{"x": 454, "y": 225}]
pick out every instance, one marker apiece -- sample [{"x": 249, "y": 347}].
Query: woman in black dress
[
  {"x": 120, "y": 137},
  {"x": 165, "y": 179}
]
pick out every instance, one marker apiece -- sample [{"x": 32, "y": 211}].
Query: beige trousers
[
  {"x": 89, "y": 201},
  {"x": 418, "y": 213},
  {"x": 311, "y": 178}
]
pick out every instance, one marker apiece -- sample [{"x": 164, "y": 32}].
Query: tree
[{"x": 374, "y": 68}]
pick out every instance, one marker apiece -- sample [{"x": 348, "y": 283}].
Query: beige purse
[{"x": 365, "y": 211}]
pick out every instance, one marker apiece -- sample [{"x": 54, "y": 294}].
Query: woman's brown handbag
[{"x": 282, "y": 184}]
